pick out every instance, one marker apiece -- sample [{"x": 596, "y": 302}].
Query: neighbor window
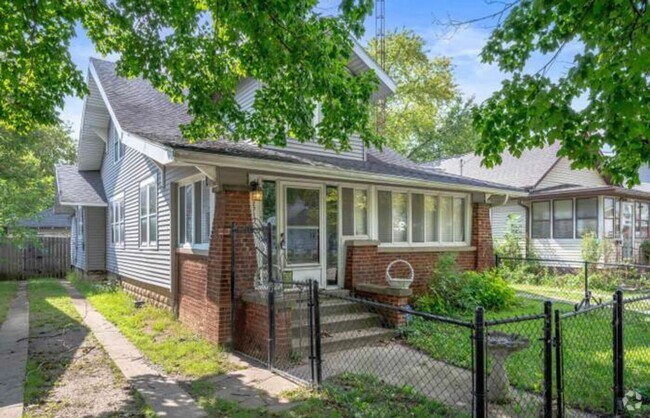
[
  {"x": 563, "y": 218},
  {"x": 80, "y": 226},
  {"x": 541, "y": 220},
  {"x": 148, "y": 212},
  {"x": 117, "y": 220},
  {"x": 586, "y": 216},
  {"x": 611, "y": 215},
  {"x": 354, "y": 211},
  {"x": 195, "y": 210},
  {"x": 642, "y": 220},
  {"x": 431, "y": 219}
]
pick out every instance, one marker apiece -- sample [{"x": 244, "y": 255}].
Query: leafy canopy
[
  {"x": 610, "y": 72},
  {"x": 424, "y": 87},
  {"x": 197, "y": 51},
  {"x": 27, "y": 171}
]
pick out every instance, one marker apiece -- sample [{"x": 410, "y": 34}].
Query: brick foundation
[
  {"x": 193, "y": 274},
  {"x": 383, "y": 294}
]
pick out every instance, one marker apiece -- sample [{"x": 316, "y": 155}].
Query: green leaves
[
  {"x": 610, "y": 74},
  {"x": 197, "y": 52}
]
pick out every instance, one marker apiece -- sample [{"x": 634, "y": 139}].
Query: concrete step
[
  {"x": 353, "y": 339},
  {"x": 346, "y": 321},
  {"x": 329, "y": 306}
]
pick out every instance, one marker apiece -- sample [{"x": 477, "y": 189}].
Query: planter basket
[{"x": 402, "y": 282}]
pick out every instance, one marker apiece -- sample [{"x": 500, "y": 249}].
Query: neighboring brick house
[
  {"x": 563, "y": 203},
  {"x": 155, "y": 210}
]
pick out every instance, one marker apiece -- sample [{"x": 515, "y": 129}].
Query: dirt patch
[{"x": 68, "y": 373}]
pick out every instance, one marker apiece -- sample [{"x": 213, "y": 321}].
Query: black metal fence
[
  {"x": 581, "y": 283},
  {"x": 552, "y": 362}
]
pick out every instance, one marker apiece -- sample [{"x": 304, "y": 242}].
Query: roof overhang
[
  {"x": 364, "y": 62},
  {"x": 229, "y": 161},
  {"x": 614, "y": 191}
]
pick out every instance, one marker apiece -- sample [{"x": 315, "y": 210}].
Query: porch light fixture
[{"x": 256, "y": 191}]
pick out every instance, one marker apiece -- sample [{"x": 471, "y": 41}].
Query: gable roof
[
  {"x": 48, "y": 219},
  {"x": 524, "y": 172},
  {"x": 79, "y": 188},
  {"x": 142, "y": 110}
]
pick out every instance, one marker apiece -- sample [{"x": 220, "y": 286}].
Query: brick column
[{"x": 482, "y": 236}]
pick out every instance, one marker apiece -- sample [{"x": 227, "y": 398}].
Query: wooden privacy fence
[{"x": 47, "y": 257}]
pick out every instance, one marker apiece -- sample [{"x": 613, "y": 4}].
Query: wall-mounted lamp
[{"x": 256, "y": 191}]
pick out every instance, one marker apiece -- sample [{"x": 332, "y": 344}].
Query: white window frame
[
  {"x": 148, "y": 243},
  {"x": 118, "y": 150},
  {"x": 117, "y": 205},
  {"x": 369, "y": 203},
  {"x": 437, "y": 243},
  {"x": 190, "y": 181},
  {"x": 80, "y": 227}
]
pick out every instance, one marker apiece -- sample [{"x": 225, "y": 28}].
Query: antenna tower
[{"x": 380, "y": 39}]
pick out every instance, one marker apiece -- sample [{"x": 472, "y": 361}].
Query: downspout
[{"x": 527, "y": 233}]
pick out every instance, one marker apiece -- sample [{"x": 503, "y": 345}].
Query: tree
[
  {"x": 453, "y": 135},
  {"x": 424, "y": 86},
  {"x": 610, "y": 73},
  {"x": 196, "y": 52},
  {"x": 27, "y": 171}
]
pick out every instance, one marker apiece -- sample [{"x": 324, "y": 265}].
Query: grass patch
[
  {"x": 7, "y": 292},
  {"x": 155, "y": 332},
  {"x": 587, "y": 341}
]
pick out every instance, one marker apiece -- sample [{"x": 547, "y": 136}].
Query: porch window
[
  {"x": 148, "y": 212},
  {"x": 586, "y": 216},
  {"x": 430, "y": 218},
  {"x": 195, "y": 208},
  {"x": 541, "y": 220},
  {"x": 303, "y": 226},
  {"x": 563, "y": 218},
  {"x": 117, "y": 220},
  {"x": 642, "y": 220},
  {"x": 355, "y": 211},
  {"x": 611, "y": 215}
]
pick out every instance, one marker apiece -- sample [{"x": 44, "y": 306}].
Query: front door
[{"x": 303, "y": 232}]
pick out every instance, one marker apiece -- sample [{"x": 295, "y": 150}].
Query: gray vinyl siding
[
  {"x": 245, "y": 96},
  {"x": 147, "y": 264},
  {"x": 95, "y": 233},
  {"x": 562, "y": 174},
  {"x": 78, "y": 254}
]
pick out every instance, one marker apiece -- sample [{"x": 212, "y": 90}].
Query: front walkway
[
  {"x": 162, "y": 394},
  {"x": 14, "y": 341}
]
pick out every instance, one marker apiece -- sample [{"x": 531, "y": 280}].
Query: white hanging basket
[{"x": 400, "y": 282}]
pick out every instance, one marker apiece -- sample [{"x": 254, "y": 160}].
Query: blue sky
[{"x": 474, "y": 79}]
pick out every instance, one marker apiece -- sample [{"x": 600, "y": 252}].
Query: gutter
[{"x": 194, "y": 157}]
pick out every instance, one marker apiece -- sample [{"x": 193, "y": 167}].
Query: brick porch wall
[
  {"x": 366, "y": 263},
  {"x": 204, "y": 282}
]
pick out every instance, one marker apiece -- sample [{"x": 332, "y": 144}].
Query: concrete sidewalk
[
  {"x": 14, "y": 341},
  {"x": 164, "y": 395}
]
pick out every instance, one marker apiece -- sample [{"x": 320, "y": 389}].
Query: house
[
  {"x": 563, "y": 203},
  {"x": 155, "y": 211},
  {"x": 47, "y": 223}
]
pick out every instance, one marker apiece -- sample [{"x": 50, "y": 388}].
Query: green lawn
[
  {"x": 161, "y": 337},
  {"x": 587, "y": 343},
  {"x": 7, "y": 292}
]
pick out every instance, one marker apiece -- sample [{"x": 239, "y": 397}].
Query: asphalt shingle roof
[
  {"x": 523, "y": 172},
  {"x": 142, "y": 110},
  {"x": 76, "y": 187},
  {"x": 48, "y": 219}
]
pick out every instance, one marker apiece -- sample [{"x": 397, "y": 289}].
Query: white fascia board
[
  {"x": 159, "y": 153},
  {"x": 194, "y": 158},
  {"x": 367, "y": 59},
  {"x": 94, "y": 205}
]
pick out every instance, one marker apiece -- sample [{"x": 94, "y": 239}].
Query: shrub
[
  {"x": 591, "y": 248},
  {"x": 451, "y": 291},
  {"x": 513, "y": 238}
]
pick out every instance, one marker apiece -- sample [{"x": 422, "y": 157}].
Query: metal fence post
[
  {"x": 233, "y": 238},
  {"x": 480, "y": 364},
  {"x": 310, "y": 309},
  {"x": 587, "y": 292},
  {"x": 548, "y": 359},
  {"x": 271, "y": 295},
  {"x": 619, "y": 354},
  {"x": 497, "y": 260},
  {"x": 317, "y": 337},
  {"x": 559, "y": 366}
]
